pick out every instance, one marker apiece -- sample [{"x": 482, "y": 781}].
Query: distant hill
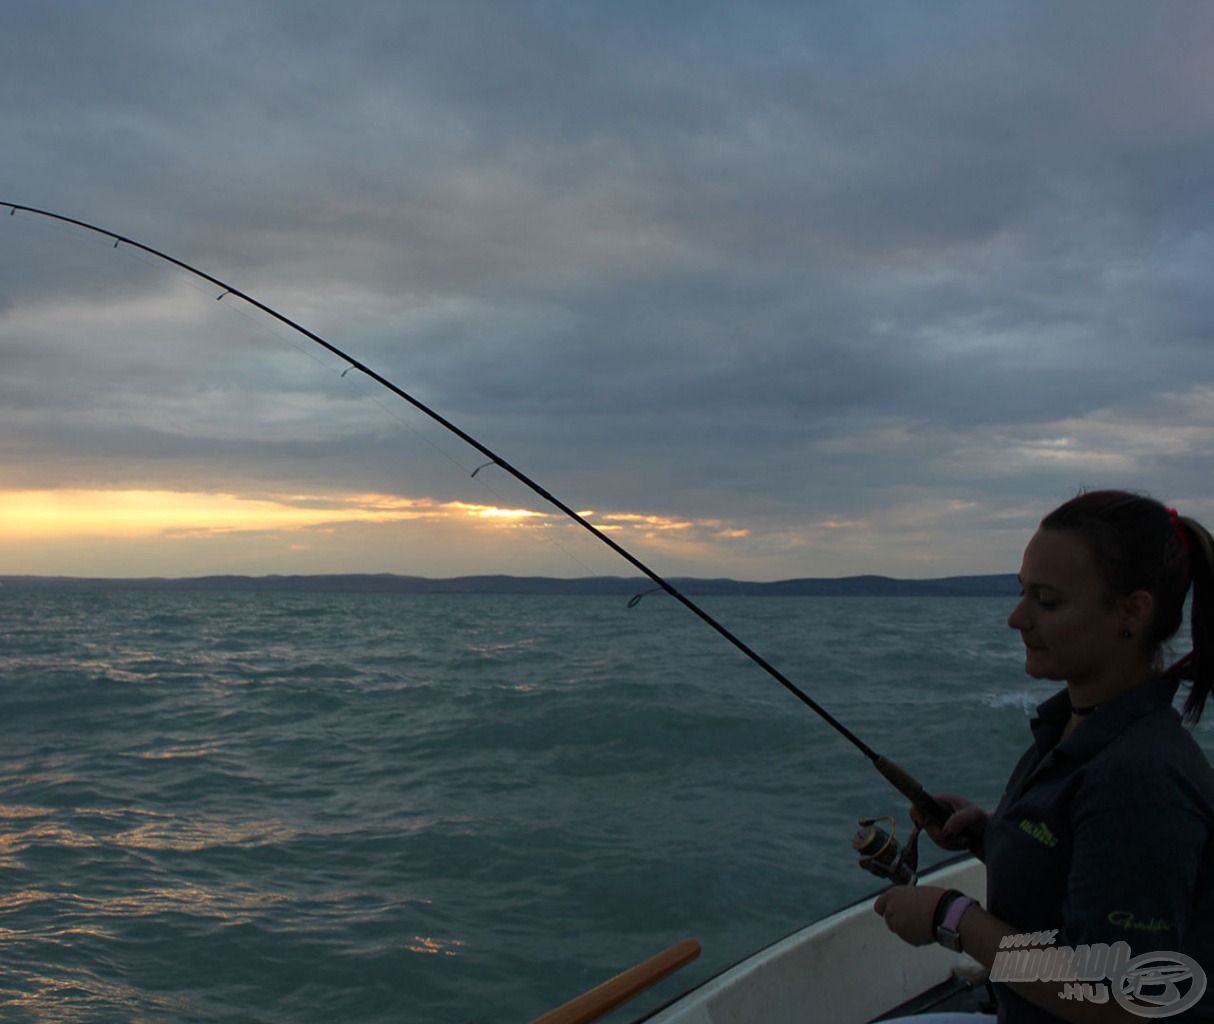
[{"x": 384, "y": 583}]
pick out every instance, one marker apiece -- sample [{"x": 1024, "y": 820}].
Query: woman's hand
[
  {"x": 965, "y": 827},
  {"x": 909, "y": 910}
]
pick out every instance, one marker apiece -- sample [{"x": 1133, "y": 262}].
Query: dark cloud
[{"x": 741, "y": 261}]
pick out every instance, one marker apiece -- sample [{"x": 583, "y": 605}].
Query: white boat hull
[{"x": 845, "y": 969}]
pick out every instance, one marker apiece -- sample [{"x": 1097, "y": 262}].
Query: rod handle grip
[{"x": 910, "y": 787}]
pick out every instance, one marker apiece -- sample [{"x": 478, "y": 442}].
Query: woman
[{"x": 1105, "y": 832}]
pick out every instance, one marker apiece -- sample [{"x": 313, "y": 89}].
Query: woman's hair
[{"x": 1141, "y": 545}]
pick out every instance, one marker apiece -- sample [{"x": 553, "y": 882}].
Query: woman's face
[{"x": 1070, "y": 628}]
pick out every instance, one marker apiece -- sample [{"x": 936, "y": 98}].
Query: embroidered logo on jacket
[
  {"x": 1040, "y": 831},
  {"x": 1126, "y": 919}
]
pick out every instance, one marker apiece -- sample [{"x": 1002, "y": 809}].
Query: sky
[{"x": 765, "y": 290}]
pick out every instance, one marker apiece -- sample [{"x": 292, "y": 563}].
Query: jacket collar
[{"x": 1104, "y": 724}]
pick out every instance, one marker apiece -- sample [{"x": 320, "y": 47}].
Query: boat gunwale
[{"x": 820, "y": 925}]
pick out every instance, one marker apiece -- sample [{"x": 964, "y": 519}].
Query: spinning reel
[{"x": 881, "y": 855}]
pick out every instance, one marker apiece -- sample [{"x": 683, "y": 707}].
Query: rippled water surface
[{"x": 296, "y": 808}]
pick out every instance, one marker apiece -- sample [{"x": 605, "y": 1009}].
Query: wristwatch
[{"x": 947, "y": 933}]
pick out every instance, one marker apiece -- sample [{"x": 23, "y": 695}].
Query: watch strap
[{"x": 947, "y": 931}]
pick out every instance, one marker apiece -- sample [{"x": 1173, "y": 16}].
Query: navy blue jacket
[{"x": 1108, "y": 836}]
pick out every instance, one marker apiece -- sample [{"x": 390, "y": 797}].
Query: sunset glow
[
  {"x": 134, "y": 513},
  {"x": 46, "y": 516}
]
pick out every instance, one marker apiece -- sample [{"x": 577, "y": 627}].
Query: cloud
[{"x": 771, "y": 266}]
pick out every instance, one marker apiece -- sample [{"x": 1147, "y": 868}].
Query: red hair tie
[{"x": 1181, "y": 532}]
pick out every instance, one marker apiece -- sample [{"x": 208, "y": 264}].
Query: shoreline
[{"x": 999, "y": 585}]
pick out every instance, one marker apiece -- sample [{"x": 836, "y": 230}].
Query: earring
[{"x": 1126, "y": 634}]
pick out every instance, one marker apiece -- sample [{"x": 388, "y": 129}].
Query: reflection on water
[
  {"x": 433, "y": 946},
  {"x": 226, "y": 808}
]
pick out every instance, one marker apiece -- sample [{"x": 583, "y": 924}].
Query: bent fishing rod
[{"x": 902, "y": 780}]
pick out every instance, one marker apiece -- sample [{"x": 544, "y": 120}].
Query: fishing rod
[{"x": 903, "y": 781}]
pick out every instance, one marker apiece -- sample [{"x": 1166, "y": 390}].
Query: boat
[{"x": 847, "y": 968}]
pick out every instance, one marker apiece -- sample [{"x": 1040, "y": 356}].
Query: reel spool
[{"x": 881, "y": 855}]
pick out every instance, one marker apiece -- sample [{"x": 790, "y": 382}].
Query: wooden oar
[{"x": 606, "y": 997}]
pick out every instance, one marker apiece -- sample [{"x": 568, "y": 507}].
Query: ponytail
[{"x": 1198, "y": 665}]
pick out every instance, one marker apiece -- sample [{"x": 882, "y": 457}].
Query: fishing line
[
  {"x": 901, "y": 780},
  {"x": 375, "y": 396},
  {"x": 191, "y": 279}
]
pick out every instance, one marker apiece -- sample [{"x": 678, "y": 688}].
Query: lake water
[{"x": 226, "y": 807}]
